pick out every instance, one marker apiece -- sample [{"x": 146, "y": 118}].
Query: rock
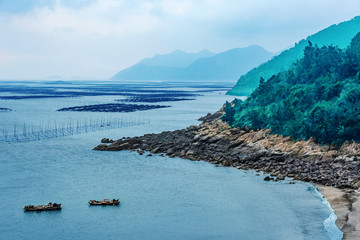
[
  {"x": 182, "y": 153},
  {"x": 197, "y": 137},
  {"x": 258, "y": 136},
  {"x": 170, "y": 151},
  {"x": 106, "y": 140},
  {"x": 101, "y": 147},
  {"x": 267, "y": 178},
  {"x": 190, "y": 153},
  {"x": 357, "y": 185},
  {"x": 214, "y": 139},
  {"x": 226, "y": 163},
  {"x": 156, "y": 150},
  {"x": 123, "y": 146}
]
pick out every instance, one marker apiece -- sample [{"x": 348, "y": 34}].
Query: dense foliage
[
  {"x": 318, "y": 97},
  {"x": 338, "y": 35}
]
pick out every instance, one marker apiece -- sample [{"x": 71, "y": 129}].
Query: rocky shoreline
[{"x": 215, "y": 142}]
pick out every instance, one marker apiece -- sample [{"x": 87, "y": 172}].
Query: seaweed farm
[
  {"x": 25, "y": 133},
  {"x": 152, "y": 100},
  {"x": 112, "y": 107},
  {"x": 31, "y": 96},
  {"x": 41, "y": 90},
  {"x": 103, "y": 101},
  {"x": 164, "y": 97}
]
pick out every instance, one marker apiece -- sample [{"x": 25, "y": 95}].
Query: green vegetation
[
  {"x": 338, "y": 35},
  {"x": 318, "y": 97}
]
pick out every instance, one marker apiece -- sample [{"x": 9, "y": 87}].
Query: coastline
[
  {"x": 346, "y": 204},
  {"x": 333, "y": 171}
]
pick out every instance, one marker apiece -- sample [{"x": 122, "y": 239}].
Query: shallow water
[{"x": 161, "y": 197}]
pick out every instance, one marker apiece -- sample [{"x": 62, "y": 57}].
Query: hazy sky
[{"x": 97, "y": 38}]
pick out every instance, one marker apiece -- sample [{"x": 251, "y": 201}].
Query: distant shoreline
[{"x": 335, "y": 171}]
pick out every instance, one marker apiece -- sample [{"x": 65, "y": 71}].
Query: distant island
[
  {"x": 204, "y": 65},
  {"x": 337, "y": 35}
]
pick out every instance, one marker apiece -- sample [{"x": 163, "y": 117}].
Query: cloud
[
  {"x": 99, "y": 37},
  {"x": 103, "y": 17}
]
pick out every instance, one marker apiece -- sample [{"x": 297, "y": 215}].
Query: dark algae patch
[
  {"x": 152, "y": 100},
  {"x": 134, "y": 94},
  {"x": 319, "y": 98},
  {"x": 32, "y": 97},
  {"x": 112, "y": 107},
  {"x": 162, "y": 97},
  {"x": 158, "y": 97}
]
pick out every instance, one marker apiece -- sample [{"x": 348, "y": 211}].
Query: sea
[{"x": 46, "y": 156}]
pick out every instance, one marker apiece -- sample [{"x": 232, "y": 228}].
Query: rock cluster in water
[{"x": 215, "y": 142}]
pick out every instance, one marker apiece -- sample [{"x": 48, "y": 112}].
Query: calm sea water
[{"x": 161, "y": 197}]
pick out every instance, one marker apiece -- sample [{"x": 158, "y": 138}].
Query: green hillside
[
  {"x": 338, "y": 35},
  {"x": 318, "y": 97}
]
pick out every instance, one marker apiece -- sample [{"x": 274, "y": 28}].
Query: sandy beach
[{"x": 346, "y": 203}]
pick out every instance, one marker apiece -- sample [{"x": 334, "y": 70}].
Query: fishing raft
[
  {"x": 48, "y": 207},
  {"x": 105, "y": 202}
]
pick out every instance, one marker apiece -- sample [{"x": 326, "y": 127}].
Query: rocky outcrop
[
  {"x": 215, "y": 142},
  {"x": 107, "y": 140}
]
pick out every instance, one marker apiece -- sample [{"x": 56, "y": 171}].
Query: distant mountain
[
  {"x": 338, "y": 35},
  {"x": 177, "y": 58},
  {"x": 227, "y": 65},
  {"x": 203, "y": 65}
]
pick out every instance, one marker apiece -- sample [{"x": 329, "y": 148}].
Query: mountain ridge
[{"x": 227, "y": 65}]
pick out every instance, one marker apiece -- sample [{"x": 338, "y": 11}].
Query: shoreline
[
  {"x": 346, "y": 204},
  {"x": 335, "y": 172}
]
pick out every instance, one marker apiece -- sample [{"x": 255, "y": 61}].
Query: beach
[{"x": 346, "y": 204}]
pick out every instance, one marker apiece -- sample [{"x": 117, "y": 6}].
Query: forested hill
[
  {"x": 338, "y": 35},
  {"x": 318, "y": 97}
]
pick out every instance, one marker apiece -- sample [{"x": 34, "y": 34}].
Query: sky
[{"x": 94, "y": 39}]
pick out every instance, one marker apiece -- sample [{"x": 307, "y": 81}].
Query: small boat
[
  {"x": 105, "y": 202},
  {"x": 48, "y": 207}
]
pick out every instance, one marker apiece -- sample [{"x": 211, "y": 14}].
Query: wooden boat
[
  {"x": 48, "y": 207},
  {"x": 105, "y": 202}
]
